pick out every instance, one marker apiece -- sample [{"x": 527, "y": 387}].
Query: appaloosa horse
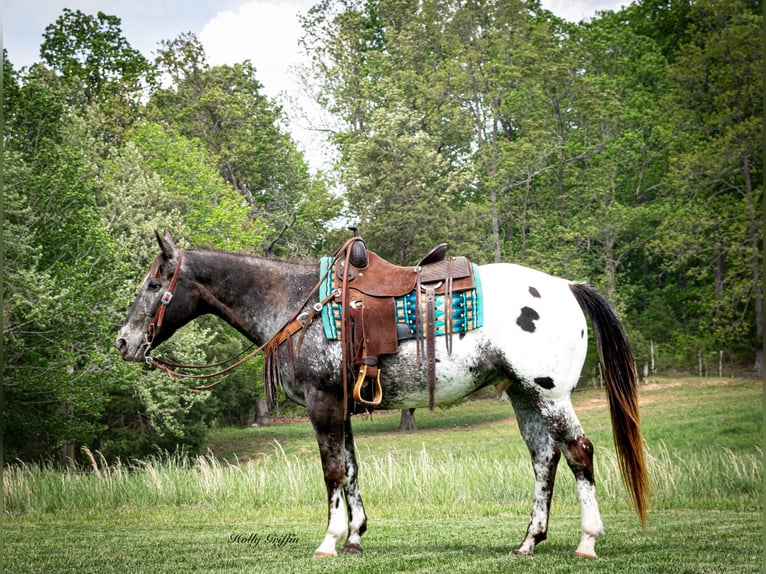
[{"x": 534, "y": 336}]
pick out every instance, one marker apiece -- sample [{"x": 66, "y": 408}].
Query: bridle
[
  {"x": 169, "y": 366},
  {"x": 299, "y": 321},
  {"x": 165, "y": 300}
]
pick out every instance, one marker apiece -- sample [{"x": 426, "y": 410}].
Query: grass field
[{"x": 453, "y": 497}]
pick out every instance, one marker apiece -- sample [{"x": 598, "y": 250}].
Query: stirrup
[{"x": 377, "y": 389}]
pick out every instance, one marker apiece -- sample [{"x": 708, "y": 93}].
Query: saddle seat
[{"x": 371, "y": 318}]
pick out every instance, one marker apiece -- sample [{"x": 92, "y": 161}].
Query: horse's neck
[{"x": 254, "y": 295}]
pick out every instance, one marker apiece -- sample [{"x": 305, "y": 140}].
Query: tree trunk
[
  {"x": 67, "y": 450},
  {"x": 68, "y": 454},
  {"x": 600, "y": 381},
  {"x": 262, "y": 418},
  {"x": 494, "y": 219},
  {"x": 720, "y": 271},
  {"x": 407, "y": 424}
]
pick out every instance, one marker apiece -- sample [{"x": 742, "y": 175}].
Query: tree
[
  {"x": 97, "y": 66},
  {"x": 620, "y": 183},
  {"x": 224, "y": 109},
  {"x": 399, "y": 188},
  {"x": 59, "y": 280},
  {"x": 714, "y": 229}
]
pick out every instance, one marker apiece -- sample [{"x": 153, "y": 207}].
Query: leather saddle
[{"x": 370, "y": 327}]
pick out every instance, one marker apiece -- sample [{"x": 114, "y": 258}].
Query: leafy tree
[
  {"x": 713, "y": 229},
  {"x": 211, "y": 211},
  {"x": 553, "y": 139},
  {"x": 97, "y": 66},
  {"x": 223, "y": 107},
  {"x": 58, "y": 283},
  {"x": 401, "y": 160},
  {"x": 399, "y": 188},
  {"x": 665, "y": 21},
  {"x": 344, "y": 40},
  {"x": 620, "y": 183}
]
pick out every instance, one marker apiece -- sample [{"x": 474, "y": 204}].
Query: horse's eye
[{"x": 154, "y": 285}]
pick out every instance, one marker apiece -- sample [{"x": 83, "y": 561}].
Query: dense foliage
[{"x": 625, "y": 151}]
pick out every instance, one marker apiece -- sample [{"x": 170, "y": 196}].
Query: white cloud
[{"x": 266, "y": 33}]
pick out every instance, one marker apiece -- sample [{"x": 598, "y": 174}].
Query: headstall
[{"x": 167, "y": 297}]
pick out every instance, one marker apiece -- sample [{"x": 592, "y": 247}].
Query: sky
[{"x": 264, "y": 31}]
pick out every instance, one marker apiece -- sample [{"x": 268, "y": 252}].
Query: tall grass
[
  {"x": 163, "y": 480},
  {"x": 453, "y": 497},
  {"x": 715, "y": 477}
]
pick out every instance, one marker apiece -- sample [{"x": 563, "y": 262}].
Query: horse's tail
[{"x": 621, "y": 379}]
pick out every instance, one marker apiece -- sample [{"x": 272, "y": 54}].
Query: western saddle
[{"x": 369, "y": 326}]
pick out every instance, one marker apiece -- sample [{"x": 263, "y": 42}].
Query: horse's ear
[{"x": 167, "y": 245}]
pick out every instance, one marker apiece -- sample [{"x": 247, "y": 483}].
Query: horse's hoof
[
  {"x": 585, "y": 555},
  {"x": 351, "y": 548},
  {"x": 520, "y": 552},
  {"x": 318, "y": 554}
]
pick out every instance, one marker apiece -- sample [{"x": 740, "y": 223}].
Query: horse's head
[{"x": 167, "y": 301}]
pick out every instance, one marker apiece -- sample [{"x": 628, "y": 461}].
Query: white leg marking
[
  {"x": 337, "y": 526},
  {"x": 592, "y": 526},
  {"x": 358, "y": 518}
]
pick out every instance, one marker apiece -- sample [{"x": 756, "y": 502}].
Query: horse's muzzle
[{"x": 131, "y": 348}]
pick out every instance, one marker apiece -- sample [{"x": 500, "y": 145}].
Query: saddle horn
[{"x": 358, "y": 257}]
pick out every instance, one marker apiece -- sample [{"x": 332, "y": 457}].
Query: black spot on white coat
[
  {"x": 527, "y": 319},
  {"x": 545, "y": 382}
]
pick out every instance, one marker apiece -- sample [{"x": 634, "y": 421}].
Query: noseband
[{"x": 167, "y": 297}]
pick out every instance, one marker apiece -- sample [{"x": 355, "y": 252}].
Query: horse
[{"x": 533, "y": 340}]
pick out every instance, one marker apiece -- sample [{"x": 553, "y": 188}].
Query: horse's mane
[
  {"x": 210, "y": 249},
  {"x": 159, "y": 260}
]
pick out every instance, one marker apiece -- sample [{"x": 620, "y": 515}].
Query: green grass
[{"x": 454, "y": 496}]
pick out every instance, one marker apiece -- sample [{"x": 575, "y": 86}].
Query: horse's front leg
[
  {"x": 328, "y": 418},
  {"x": 357, "y": 519}
]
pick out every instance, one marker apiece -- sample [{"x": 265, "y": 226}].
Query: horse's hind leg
[
  {"x": 566, "y": 430},
  {"x": 545, "y": 458},
  {"x": 579, "y": 455},
  {"x": 549, "y": 430},
  {"x": 357, "y": 519}
]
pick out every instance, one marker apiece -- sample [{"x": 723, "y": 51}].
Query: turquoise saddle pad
[{"x": 467, "y": 309}]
